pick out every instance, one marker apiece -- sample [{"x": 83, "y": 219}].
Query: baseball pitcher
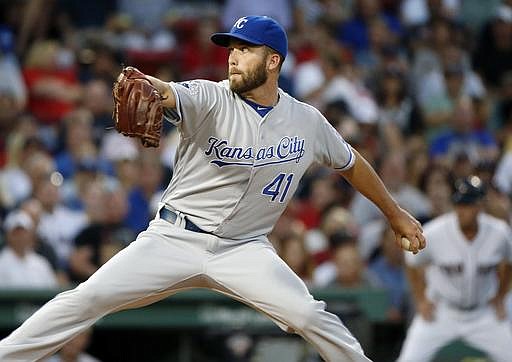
[{"x": 244, "y": 146}]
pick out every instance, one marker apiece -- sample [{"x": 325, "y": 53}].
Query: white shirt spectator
[
  {"x": 370, "y": 237},
  {"x": 116, "y": 147},
  {"x": 415, "y": 12},
  {"x": 15, "y": 186},
  {"x": 324, "y": 274},
  {"x": 408, "y": 197},
  {"x": 31, "y": 271},
  {"x": 315, "y": 241},
  {"x": 503, "y": 175},
  {"x": 59, "y": 229},
  {"x": 309, "y": 77},
  {"x": 360, "y": 102}
]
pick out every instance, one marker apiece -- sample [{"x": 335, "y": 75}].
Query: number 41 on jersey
[{"x": 277, "y": 188}]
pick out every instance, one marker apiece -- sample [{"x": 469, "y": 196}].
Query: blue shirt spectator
[
  {"x": 139, "y": 214},
  {"x": 451, "y": 143},
  {"x": 355, "y": 32},
  {"x": 393, "y": 279},
  {"x": 462, "y": 137},
  {"x": 388, "y": 268}
]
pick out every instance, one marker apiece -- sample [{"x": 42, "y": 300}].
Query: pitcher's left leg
[{"x": 255, "y": 274}]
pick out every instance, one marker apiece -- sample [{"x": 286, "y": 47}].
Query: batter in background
[
  {"x": 244, "y": 146},
  {"x": 460, "y": 281}
]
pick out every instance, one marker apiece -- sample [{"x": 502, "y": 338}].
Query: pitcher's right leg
[
  {"x": 256, "y": 275},
  {"x": 152, "y": 267}
]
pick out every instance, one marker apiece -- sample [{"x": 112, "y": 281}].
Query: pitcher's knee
[
  {"x": 90, "y": 303},
  {"x": 306, "y": 315}
]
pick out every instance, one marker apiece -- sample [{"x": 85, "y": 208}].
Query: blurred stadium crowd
[{"x": 422, "y": 88}]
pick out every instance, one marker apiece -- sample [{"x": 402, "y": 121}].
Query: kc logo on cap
[
  {"x": 257, "y": 30},
  {"x": 240, "y": 23}
]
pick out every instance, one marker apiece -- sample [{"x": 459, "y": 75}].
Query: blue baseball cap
[
  {"x": 468, "y": 190},
  {"x": 258, "y": 30}
]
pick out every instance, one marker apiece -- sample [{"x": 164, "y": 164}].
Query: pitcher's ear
[{"x": 274, "y": 62}]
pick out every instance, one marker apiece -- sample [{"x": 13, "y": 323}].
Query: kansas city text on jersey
[{"x": 286, "y": 150}]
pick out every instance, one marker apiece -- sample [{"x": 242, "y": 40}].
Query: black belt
[
  {"x": 464, "y": 308},
  {"x": 171, "y": 216}
]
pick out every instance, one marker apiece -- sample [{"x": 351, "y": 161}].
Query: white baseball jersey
[
  {"x": 461, "y": 280},
  {"x": 462, "y": 273},
  {"x": 235, "y": 171}
]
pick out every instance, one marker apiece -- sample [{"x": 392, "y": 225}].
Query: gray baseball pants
[{"x": 166, "y": 259}]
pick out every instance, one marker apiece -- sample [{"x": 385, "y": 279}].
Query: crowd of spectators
[{"x": 421, "y": 88}]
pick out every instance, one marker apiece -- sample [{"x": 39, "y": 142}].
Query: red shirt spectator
[
  {"x": 52, "y": 82},
  {"x": 51, "y": 107},
  {"x": 199, "y": 57}
]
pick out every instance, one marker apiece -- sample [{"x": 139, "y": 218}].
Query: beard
[{"x": 250, "y": 80}]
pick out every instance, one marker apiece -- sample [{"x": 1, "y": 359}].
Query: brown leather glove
[{"x": 138, "y": 108}]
